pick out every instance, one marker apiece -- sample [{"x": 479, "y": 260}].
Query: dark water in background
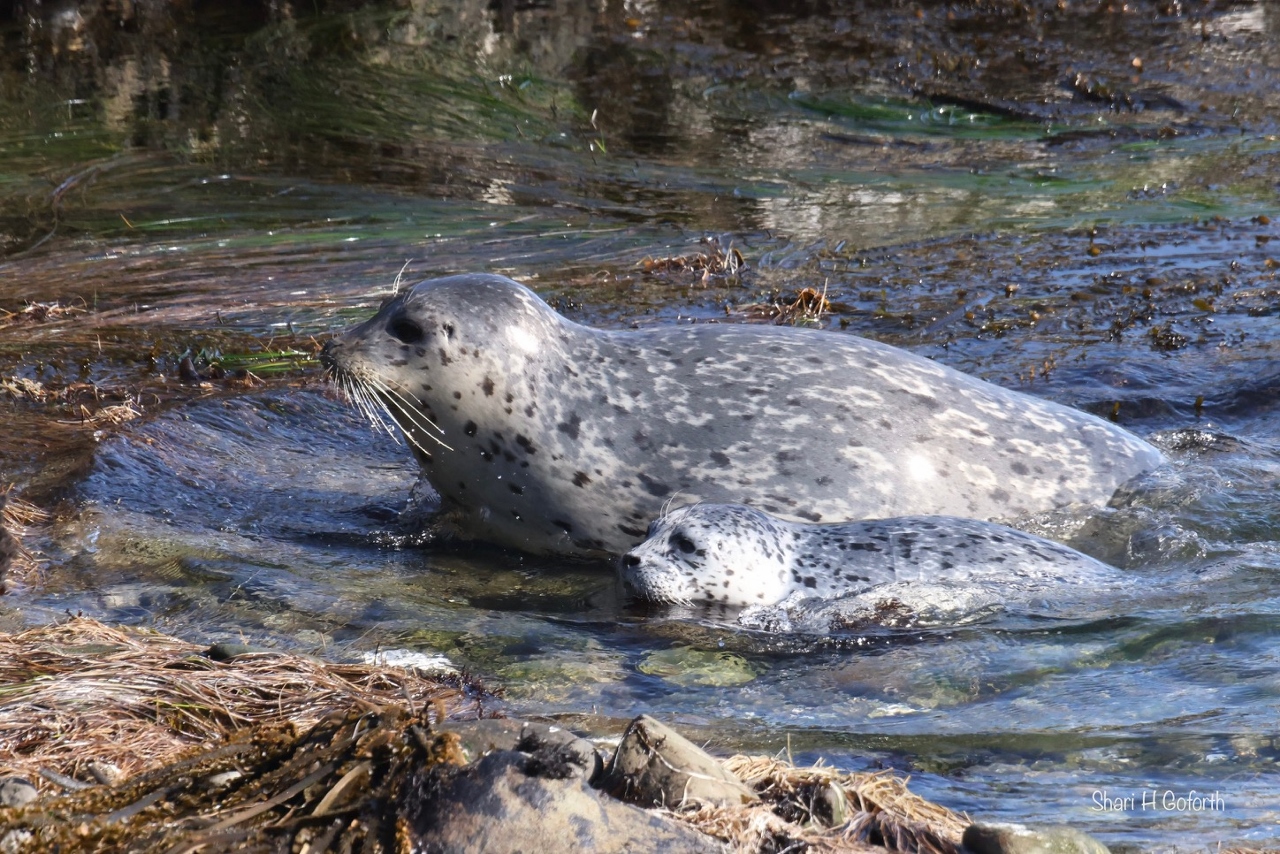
[{"x": 998, "y": 187}]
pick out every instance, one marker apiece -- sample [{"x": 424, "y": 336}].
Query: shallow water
[{"x": 1066, "y": 248}]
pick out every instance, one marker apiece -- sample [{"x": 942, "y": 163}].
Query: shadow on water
[{"x": 1069, "y": 199}]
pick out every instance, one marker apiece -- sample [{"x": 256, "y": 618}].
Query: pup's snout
[{"x": 327, "y": 354}]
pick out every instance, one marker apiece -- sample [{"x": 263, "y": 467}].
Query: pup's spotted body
[
  {"x": 567, "y": 439},
  {"x": 735, "y": 555}
]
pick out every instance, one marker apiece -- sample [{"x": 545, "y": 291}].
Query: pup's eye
[
  {"x": 683, "y": 543},
  {"x": 405, "y": 330}
]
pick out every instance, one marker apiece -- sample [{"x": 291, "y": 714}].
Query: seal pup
[
  {"x": 729, "y": 554},
  {"x": 552, "y": 437}
]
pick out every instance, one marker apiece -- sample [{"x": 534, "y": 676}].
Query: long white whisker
[
  {"x": 414, "y": 405},
  {"x": 391, "y": 397},
  {"x": 375, "y": 410}
]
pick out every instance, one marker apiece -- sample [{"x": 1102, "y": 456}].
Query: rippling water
[{"x": 1051, "y": 236}]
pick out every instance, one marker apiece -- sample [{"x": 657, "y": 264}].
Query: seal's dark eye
[
  {"x": 405, "y": 329},
  {"x": 683, "y": 543}
]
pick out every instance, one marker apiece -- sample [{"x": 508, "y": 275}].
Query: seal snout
[
  {"x": 629, "y": 576},
  {"x": 328, "y": 355}
]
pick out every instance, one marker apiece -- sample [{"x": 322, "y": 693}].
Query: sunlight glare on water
[{"x": 1065, "y": 222}]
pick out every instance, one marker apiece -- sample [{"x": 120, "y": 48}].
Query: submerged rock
[
  {"x": 1029, "y": 839},
  {"x": 483, "y": 736}
]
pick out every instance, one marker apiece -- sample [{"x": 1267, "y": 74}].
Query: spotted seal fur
[
  {"x": 734, "y": 555},
  {"x": 553, "y": 437}
]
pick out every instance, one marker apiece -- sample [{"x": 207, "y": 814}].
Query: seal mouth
[{"x": 381, "y": 403}]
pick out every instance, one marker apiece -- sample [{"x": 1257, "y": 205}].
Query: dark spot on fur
[
  {"x": 721, "y": 460},
  {"x": 570, "y": 427},
  {"x": 810, "y": 515},
  {"x": 1000, "y": 495},
  {"x": 581, "y": 478},
  {"x": 652, "y": 486},
  {"x": 518, "y": 490},
  {"x": 487, "y": 387},
  {"x": 810, "y": 581},
  {"x": 444, "y": 357},
  {"x": 457, "y": 395},
  {"x": 1018, "y": 468},
  {"x": 525, "y": 444},
  {"x": 528, "y": 410},
  {"x": 470, "y": 428}
]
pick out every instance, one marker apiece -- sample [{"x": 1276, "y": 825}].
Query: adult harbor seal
[
  {"x": 552, "y": 437},
  {"x": 734, "y": 555}
]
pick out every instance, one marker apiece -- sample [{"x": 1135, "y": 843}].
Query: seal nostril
[{"x": 630, "y": 561}]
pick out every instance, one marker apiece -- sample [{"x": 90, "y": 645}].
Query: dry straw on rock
[
  {"x": 795, "y": 813},
  {"x": 83, "y": 693}
]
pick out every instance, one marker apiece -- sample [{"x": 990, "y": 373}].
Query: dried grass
[
  {"x": 716, "y": 261},
  {"x": 40, "y": 312},
  {"x": 808, "y": 306},
  {"x": 114, "y": 415},
  {"x": 17, "y": 519},
  {"x": 82, "y": 692},
  {"x": 882, "y": 813}
]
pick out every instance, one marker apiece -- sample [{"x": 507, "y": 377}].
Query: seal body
[
  {"x": 560, "y": 438},
  {"x": 735, "y": 555}
]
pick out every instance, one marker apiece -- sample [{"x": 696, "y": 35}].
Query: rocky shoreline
[{"x": 125, "y": 739}]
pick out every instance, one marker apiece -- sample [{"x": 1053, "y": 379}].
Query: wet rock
[
  {"x": 16, "y": 792},
  {"x": 227, "y": 650},
  {"x": 510, "y": 802},
  {"x": 543, "y": 740},
  {"x": 656, "y": 766},
  {"x": 1029, "y": 839}
]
